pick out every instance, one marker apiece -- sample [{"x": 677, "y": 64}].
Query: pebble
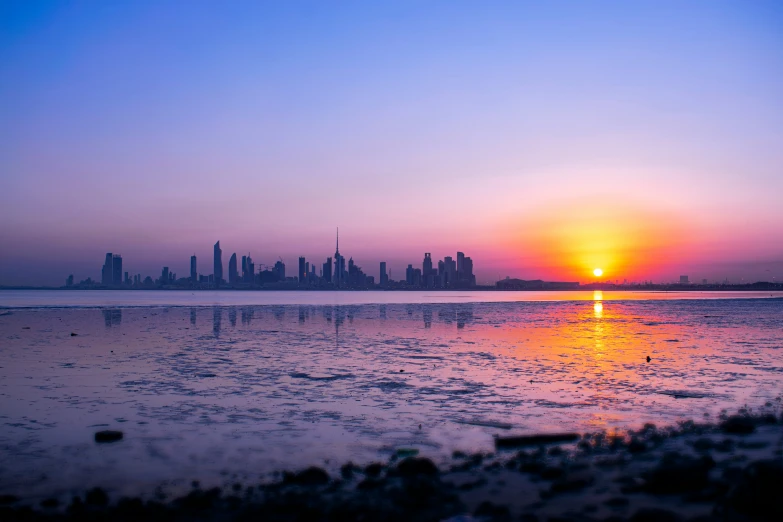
[{"x": 108, "y": 436}]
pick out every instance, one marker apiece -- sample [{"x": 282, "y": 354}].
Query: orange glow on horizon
[{"x": 583, "y": 242}]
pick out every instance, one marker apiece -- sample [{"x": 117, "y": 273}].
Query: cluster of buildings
[
  {"x": 334, "y": 273},
  {"x": 449, "y": 273}
]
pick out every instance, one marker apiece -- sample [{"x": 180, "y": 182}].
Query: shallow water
[
  {"x": 132, "y": 298},
  {"x": 230, "y": 393}
]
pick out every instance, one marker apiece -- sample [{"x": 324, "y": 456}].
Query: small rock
[
  {"x": 534, "y": 440},
  {"x": 96, "y": 497},
  {"x": 108, "y": 436},
  {"x": 50, "y": 503},
  {"x": 636, "y": 446},
  {"x": 758, "y": 492},
  {"x": 648, "y": 359},
  {"x": 677, "y": 474},
  {"x": 8, "y": 499},
  {"x": 311, "y": 477},
  {"x": 346, "y": 471},
  {"x": 738, "y": 425},
  {"x": 373, "y": 470},
  {"x": 492, "y": 511},
  {"x": 416, "y": 466},
  {"x": 74, "y": 334},
  {"x": 655, "y": 515},
  {"x": 572, "y": 482}
]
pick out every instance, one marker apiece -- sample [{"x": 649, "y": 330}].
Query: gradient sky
[{"x": 543, "y": 139}]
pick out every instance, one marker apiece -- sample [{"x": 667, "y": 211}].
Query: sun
[{"x": 598, "y": 272}]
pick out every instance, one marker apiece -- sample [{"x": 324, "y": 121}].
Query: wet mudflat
[{"x": 237, "y": 395}]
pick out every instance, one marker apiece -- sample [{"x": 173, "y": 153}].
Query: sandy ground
[{"x": 731, "y": 470}]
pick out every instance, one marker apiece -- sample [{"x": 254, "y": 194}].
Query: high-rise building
[
  {"x": 327, "y": 275},
  {"x": 426, "y": 267},
  {"x": 409, "y": 275},
  {"x": 460, "y": 265},
  {"x": 249, "y": 270},
  {"x": 384, "y": 279},
  {"x": 218, "y": 262},
  {"x": 69, "y": 281},
  {"x": 468, "y": 272},
  {"x": 233, "y": 273},
  {"x": 450, "y": 271},
  {"x": 339, "y": 264},
  {"x": 164, "y": 275},
  {"x": 107, "y": 272},
  {"x": 280, "y": 269},
  {"x": 302, "y": 270},
  {"x": 116, "y": 271},
  {"x": 193, "y": 273}
]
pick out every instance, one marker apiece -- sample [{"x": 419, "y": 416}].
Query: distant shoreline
[{"x": 759, "y": 286}]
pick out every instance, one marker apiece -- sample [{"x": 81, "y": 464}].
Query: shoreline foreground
[{"x": 730, "y": 470}]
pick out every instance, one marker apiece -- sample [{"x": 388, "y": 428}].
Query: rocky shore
[{"x": 731, "y": 470}]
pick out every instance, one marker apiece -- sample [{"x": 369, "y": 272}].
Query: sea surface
[{"x": 225, "y": 387}]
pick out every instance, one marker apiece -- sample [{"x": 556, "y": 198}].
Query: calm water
[
  {"x": 102, "y": 298},
  {"x": 226, "y": 393}
]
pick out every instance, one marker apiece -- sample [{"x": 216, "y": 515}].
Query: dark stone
[
  {"x": 534, "y": 440},
  {"x": 373, "y": 470},
  {"x": 551, "y": 473},
  {"x": 617, "y": 502},
  {"x": 199, "y": 500},
  {"x": 50, "y": 503},
  {"x": 492, "y": 511},
  {"x": 571, "y": 482},
  {"x": 738, "y": 425},
  {"x": 655, "y": 515},
  {"x": 703, "y": 444},
  {"x": 758, "y": 492},
  {"x": 414, "y": 466},
  {"x": 311, "y": 477},
  {"x": 346, "y": 471},
  {"x": 369, "y": 484},
  {"x": 108, "y": 436},
  {"x": 8, "y": 499},
  {"x": 74, "y": 334},
  {"x": 637, "y": 446},
  {"x": 96, "y": 497},
  {"x": 679, "y": 474},
  {"x": 76, "y": 508}
]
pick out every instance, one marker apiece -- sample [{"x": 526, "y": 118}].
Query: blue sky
[{"x": 156, "y": 128}]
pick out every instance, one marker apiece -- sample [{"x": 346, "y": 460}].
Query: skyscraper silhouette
[
  {"x": 218, "y": 270},
  {"x": 193, "y": 274},
  {"x": 108, "y": 271},
  {"x": 116, "y": 269},
  {"x": 302, "y": 270},
  {"x": 233, "y": 274}
]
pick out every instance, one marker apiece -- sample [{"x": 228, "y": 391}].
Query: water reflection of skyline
[{"x": 112, "y": 317}]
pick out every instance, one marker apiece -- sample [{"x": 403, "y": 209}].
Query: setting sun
[{"x": 598, "y": 272}]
